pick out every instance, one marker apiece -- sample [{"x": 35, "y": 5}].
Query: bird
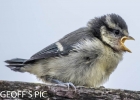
[{"x": 84, "y": 57}]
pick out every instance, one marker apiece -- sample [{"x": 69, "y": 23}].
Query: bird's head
[{"x": 112, "y": 30}]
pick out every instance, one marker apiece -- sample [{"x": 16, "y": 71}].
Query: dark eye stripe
[{"x": 109, "y": 29}]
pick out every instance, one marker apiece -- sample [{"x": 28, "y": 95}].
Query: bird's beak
[{"x": 123, "y": 40}]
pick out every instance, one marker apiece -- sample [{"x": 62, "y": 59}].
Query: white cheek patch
[
  {"x": 59, "y": 45},
  {"x": 106, "y": 39},
  {"x": 104, "y": 34},
  {"x": 103, "y": 30}
]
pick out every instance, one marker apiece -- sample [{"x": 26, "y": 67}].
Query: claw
[
  {"x": 68, "y": 85},
  {"x": 60, "y": 83}
]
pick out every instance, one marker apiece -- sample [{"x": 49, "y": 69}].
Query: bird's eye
[{"x": 117, "y": 32}]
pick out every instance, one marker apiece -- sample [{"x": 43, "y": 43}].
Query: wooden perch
[{"x": 37, "y": 91}]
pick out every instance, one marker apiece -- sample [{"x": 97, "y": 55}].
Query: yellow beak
[{"x": 123, "y": 40}]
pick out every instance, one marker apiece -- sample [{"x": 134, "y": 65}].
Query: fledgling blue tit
[{"x": 85, "y": 57}]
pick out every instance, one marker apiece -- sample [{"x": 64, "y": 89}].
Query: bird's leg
[{"x": 57, "y": 82}]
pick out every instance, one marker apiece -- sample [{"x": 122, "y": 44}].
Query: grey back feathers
[{"x": 66, "y": 43}]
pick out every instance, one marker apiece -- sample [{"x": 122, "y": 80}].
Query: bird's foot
[
  {"x": 60, "y": 83},
  {"x": 69, "y": 84}
]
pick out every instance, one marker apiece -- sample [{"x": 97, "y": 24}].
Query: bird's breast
[{"x": 105, "y": 64}]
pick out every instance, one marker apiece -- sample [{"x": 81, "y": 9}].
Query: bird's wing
[
  {"x": 50, "y": 51},
  {"x": 54, "y": 50}
]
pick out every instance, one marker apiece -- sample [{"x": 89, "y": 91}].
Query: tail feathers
[
  {"x": 15, "y": 61},
  {"x": 15, "y": 64}
]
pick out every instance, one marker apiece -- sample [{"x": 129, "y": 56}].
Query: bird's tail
[{"x": 16, "y": 64}]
